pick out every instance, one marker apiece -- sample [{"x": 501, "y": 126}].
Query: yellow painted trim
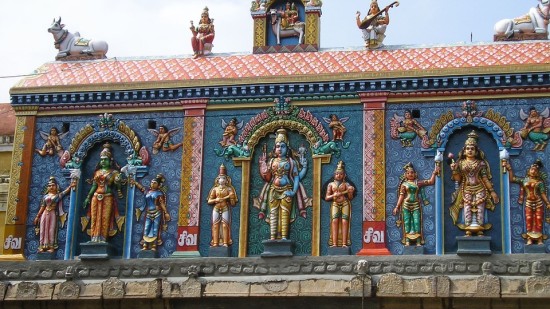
[
  {"x": 316, "y": 196},
  {"x": 245, "y": 206}
]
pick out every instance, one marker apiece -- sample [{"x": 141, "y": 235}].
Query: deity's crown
[
  {"x": 281, "y": 136},
  {"x": 106, "y": 152},
  {"x": 472, "y": 139},
  {"x": 52, "y": 180},
  {"x": 341, "y": 166},
  {"x": 159, "y": 178},
  {"x": 538, "y": 164},
  {"x": 222, "y": 170},
  {"x": 205, "y": 12},
  {"x": 408, "y": 167}
]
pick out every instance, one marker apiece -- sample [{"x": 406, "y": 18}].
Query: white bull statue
[
  {"x": 533, "y": 25},
  {"x": 71, "y": 44}
]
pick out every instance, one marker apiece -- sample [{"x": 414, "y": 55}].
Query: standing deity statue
[
  {"x": 533, "y": 195},
  {"x": 475, "y": 193},
  {"x": 223, "y": 196},
  {"x": 203, "y": 35},
  {"x": 409, "y": 204},
  {"x": 283, "y": 194},
  {"x": 374, "y": 24},
  {"x": 107, "y": 183},
  {"x": 340, "y": 191},
  {"x": 156, "y": 213},
  {"x": 50, "y": 215}
]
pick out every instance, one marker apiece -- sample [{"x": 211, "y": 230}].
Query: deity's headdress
[
  {"x": 52, "y": 180},
  {"x": 472, "y": 139},
  {"x": 222, "y": 170},
  {"x": 538, "y": 164},
  {"x": 106, "y": 152},
  {"x": 205, "y": 12},
  {"x": 281, "y": 136},
  {"x": 408, "y": 167},
  {"x": 341, "y": 167},
  {"x": 160, "y": 179}
]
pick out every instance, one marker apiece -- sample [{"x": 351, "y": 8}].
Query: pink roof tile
[{"x": 285, "y": 65}]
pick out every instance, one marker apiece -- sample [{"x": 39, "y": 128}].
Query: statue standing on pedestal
[
  {"x": 283, "y": 194},
  {"x": 156, "y": 213},
  {"x": 223, "y": 196},
  {"x": 475, "y": 192},
  {"x": 533, "y": 195},
  {"x": 51, "y": 215},
  {"x": 103, "y": 215},
  {"x": 340, "y": 191}
]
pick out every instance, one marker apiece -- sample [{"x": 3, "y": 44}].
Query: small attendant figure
[
  {"x": 534, "y": 196},
  {"x": 222, "y": 196},
  {"x": 50, "y": 215},
  {"x": 340, "y": 191},
  {"x": 156, "y": 213},
  {"x": 409, "y": 204}
]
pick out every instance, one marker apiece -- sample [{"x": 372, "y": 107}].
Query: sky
[{"x": 160, "y": 28}]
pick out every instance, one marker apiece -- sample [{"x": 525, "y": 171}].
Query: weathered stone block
[
  {"x": 66, "y": 290},
  {"x": 171, "y": 289},
  {"x": 361, "y": 286},
  {"x": 30, "y": 291},
  {"x": 191, "y": 288},
  {"x": 143, "y": 289},
  {"x": 538, "y": 286},
  {"x": 324, "y": 287},
  {"x": 443, "y": 286},
  {"x": 390, "y": 285},
  {"x": 91, "y": 291},
  {"x": 226, "y": 289},
  {"x": 512, "y": 287},
  {"x": 418, "y": 287},
  {"x": 275, "y": 288},
  {"x": 113, "y": 288}
]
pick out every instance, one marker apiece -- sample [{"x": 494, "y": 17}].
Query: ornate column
[
  {"x": 18, "y": 200},
  {"x": 374, "y": 174},
  {"x": 191, "y": 178}
]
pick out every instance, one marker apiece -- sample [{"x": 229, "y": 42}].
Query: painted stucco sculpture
[
  {"x": 156, "y": 214},
  {"x": 475, "y": 192},
  {"x": 534, "y": 197},
  {"x": 531, "y": 26},
  {"x": 71, "y": 44},
  {"x": 222, "y": 197},
  {"x": 373, "y": 26},
  {"x": 203, "y": 35},
  {"x": 340, "y": 192}
]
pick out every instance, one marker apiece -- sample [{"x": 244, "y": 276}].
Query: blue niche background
[
  {"x": 429, "y": 112},
  {"x": 168, "y": 163},
  {"x": 214, "y": 131},
  {"x": 354, "y": 171},
  {"x": 397, "y": 157},
  {"x": 520, "y": 164}
]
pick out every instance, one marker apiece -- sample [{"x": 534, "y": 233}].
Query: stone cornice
[{"x": 497, "y": 276}]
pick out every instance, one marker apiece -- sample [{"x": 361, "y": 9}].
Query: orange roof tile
[
  {"x": 7, "y": 114},
  {"x": 226, "y": 69}
]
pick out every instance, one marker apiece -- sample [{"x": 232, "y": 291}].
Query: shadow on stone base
[
  {"x": 339, "y": 251},
  {"x": 277, "y": 248},
  {"x": 474, "y": 245},
  {"x": 220, "y": 251},
  {"x": 45, "y": 256},
  {"x": 413, "y": 250},
  {"x": 147, "y": 254},
  {"x": 534, "y": 249},
  {"x": 96, "y": 250}
]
